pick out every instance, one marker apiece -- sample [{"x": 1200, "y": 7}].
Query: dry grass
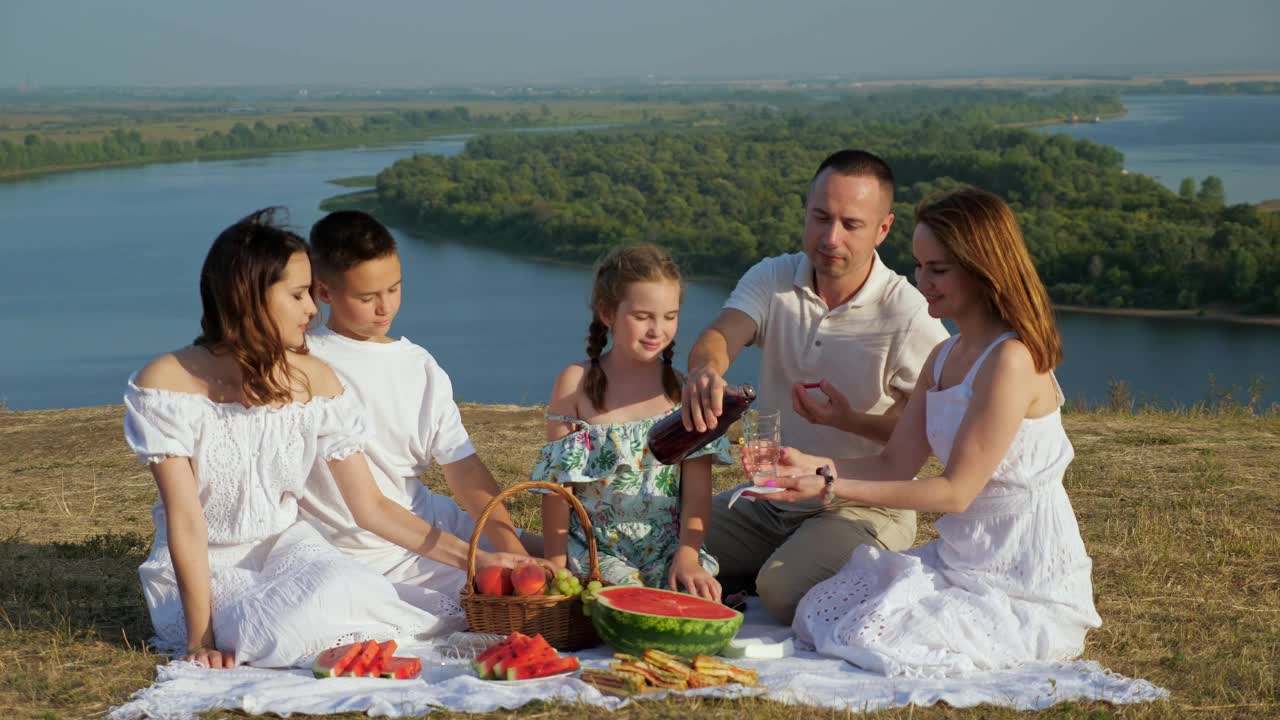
[{"x": 1180, "y": 514}]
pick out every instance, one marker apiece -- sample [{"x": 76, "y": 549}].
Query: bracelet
[{"x": 828, "y": 484}]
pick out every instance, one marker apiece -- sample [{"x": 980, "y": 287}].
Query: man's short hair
[
  {"x": 859, "y": 163},
  {"x": 343, "y": 239}
]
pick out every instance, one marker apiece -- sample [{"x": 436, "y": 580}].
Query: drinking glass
[{"x": 762, "y": 442}]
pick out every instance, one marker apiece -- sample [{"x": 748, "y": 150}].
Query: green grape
[
  {"x": 594, "y": 586},
  {"x": 562, "y": 574}
]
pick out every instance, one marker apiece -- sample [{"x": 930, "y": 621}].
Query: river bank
[
  {"x": 367, "y": 200},
  {"x": 1207, "y": 314},
  {"x": 213, "y": 156}
]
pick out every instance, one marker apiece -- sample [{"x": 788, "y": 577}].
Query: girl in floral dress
[{"x": 649, "y": 519}]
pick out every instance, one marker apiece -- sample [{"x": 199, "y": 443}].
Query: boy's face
[{"x": 363, "y": 300}]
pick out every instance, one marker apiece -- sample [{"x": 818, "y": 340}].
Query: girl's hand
[
  {"x": 212, "y": 658},
  {"x": 686, "y": 570},
  {"x": 796, "y": 487}
]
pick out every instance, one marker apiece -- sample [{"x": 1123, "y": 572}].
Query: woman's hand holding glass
[{"x": 797, "y": 475}]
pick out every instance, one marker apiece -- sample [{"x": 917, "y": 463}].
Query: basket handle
[{"x": 521, "y": 487}]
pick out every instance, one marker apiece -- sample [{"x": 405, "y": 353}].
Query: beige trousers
[{"x": 789, "y": 550}]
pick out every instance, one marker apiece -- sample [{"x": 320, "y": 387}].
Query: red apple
[
  {"x": 493, "y": 580},
  {"x": 529, "y": 579}
]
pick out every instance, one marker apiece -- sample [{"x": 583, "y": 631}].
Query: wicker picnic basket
[{"x": 559, "y": 618}]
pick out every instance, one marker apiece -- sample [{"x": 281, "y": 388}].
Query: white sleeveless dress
[
  {"x": 280, "y": 593},
  {"x": 1006, "y": 582}
]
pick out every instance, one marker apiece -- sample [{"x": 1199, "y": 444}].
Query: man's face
[{"x": 845, "y": 220}]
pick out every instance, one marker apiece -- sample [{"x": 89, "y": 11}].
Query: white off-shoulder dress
[
  {"x": 280, "y": 592},
  {"x": 1006, "y": 582}
]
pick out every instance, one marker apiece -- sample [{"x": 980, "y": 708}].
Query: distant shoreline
[
  {"x": 1192, "y": 314},
  {"x": 1062, "y": 121},
  {"x": 1038, "y": 81}
]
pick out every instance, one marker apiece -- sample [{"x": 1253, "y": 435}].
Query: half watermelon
[{"x": 632, "y": 618}]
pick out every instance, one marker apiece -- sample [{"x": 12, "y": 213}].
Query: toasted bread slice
[{"x": 707, "y": 665}]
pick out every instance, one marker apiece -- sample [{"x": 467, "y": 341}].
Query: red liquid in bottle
[{"x": 670, "y": 443}]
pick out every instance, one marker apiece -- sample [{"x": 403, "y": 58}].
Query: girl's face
[
  {"x": 645, "y": 321},
  {"x": 950, "y": 290},
  {"x": 289, "y": 301}
]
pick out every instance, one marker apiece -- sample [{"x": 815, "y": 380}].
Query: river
[{"x": 98, "y": 273}]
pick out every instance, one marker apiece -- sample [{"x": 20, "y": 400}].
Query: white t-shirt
[
  {"x": 409, "y": 402},
  {"x": 871, "y": 348}
]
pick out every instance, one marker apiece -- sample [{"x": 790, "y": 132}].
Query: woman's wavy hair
[
  {"x": 618, "y": 269},
  {"x": 979, "y": 230},
  {"x": 245, "y": 260}
]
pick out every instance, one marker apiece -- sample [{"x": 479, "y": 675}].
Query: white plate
[
  {"x": 531, "y": 681},
  {"x": 751, "y": 491}
]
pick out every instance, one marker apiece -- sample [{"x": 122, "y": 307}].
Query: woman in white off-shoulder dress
[
  {"x": 1008, "y": 579},
  {"x": 230, "y": 427}
]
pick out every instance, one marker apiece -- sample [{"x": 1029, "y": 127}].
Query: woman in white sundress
[
  {"x": 230, "y": 427},
  {"x": 1008, "y": 579}
]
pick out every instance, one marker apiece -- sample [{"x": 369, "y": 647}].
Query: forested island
[{"x": 720, "y": 198}]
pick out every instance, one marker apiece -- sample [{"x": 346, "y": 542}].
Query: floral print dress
[{"x": 632, "y": 500}]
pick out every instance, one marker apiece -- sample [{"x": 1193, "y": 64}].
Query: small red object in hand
[{"x": 811, "y": 386}]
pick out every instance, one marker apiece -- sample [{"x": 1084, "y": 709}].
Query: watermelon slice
[
  {"x": 360, "y": 666},
  {"x": 385, "y": 651},
  {"x": 516, "y": 643},
  {"x": 534, "y": 657},
  {"x": 334, "y": 661},
  {"x": 553, "y": 666},
  {"x": 479, "y": 663},
  {"x": 633, "y": 618},
  {"x": 398, "y": 668},
  {"x": 520, "y": 647}
]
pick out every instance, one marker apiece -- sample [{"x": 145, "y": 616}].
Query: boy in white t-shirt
[{"x": 415, "y": 421}]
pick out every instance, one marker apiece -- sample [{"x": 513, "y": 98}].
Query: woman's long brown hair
[
  {"x": 979, "y": 230},
  {"x": 618, "y": 269},
  {"x": 245, "y": 260}
]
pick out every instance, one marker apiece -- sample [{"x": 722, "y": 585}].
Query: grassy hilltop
[{"x": 1180, "y": 513}]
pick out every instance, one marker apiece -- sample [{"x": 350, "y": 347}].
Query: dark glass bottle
[{"x": 670, "y": 443}]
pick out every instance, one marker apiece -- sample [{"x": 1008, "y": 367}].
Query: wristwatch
[{"x": 828, "y": 484}]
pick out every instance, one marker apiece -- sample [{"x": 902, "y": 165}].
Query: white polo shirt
[
  {"x": 871, "y": 348},
  {"x": 409, "y": 401}
]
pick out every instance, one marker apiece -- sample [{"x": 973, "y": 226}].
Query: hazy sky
[{"x": 419, "y": 42}]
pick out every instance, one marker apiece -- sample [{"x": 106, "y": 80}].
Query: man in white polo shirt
[{"x": 834, "y": 314}]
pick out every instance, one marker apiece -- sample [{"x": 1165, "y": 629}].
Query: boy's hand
[
  {"x": 688, "y": 572},
  {"x": 485, "y": 558}
]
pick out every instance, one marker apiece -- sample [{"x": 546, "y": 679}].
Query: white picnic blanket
[{"x": 183, "y": 689}]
